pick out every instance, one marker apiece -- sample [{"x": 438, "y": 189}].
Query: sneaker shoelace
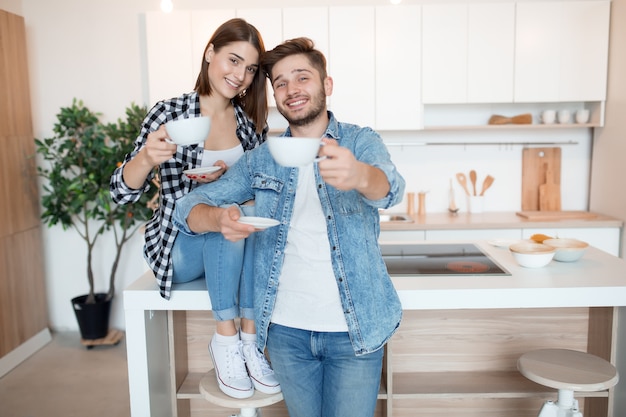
[
  {"x": 236, "y": 363},
  {"x": 260, "y": 363}
]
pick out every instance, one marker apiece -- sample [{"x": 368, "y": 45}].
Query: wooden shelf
[
  {"x": 514, "y": 127},
  {"x": 464, "y": 385}
]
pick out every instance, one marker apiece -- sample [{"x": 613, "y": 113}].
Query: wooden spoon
[
  {"x": 487, "y": 183},
  {"x": 462, "y": 179},
  {"x": 473, "y": 179}
]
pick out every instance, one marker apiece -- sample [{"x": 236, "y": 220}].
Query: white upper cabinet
[
  {"x": 468, "y": 52},
  {"x": 269, "y": 23},
  {"x": 171, "y": 69},
  {"x": 203, "y": 25},
  {"x": 490, "y": 52},
  {"x": 561, "y": 51},
  {"x": 398, "y": 74},
  {"x": 352, "y": 64},
  {"x": 444, "y": 53}
]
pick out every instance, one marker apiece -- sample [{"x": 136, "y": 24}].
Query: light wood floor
[{"x": 65, "y": 379}]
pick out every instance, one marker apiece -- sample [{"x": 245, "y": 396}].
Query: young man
[{"x": 324, "y": 302}]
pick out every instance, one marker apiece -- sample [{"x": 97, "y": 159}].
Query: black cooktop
[{"x": 439, "y": 259}]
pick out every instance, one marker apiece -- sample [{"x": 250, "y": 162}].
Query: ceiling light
[{"x": 166, "y": 6}]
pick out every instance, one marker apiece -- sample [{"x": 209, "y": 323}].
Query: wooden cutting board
[
  {"x": 549, "y": 193},
  {"x": 536, "y": 162}
]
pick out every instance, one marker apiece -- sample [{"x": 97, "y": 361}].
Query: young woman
[{"x": 230, "y": 89}]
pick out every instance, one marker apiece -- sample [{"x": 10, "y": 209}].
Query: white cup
[
  {"x": 582, "y": 116},
  {"x": 548, "y": 116},
  {"x": 564, "y": 116},
  {"x": 294, "y": 151},
  {"x": 191, "y": 131},
  {"x": 475, "y": 203}
]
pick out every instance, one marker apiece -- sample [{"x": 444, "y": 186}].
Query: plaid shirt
[{"x": 160, "y": 232}]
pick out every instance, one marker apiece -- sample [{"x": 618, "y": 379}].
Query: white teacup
[
  {"x": 564, "y": 116},
  {"x": 548, "y": 116},
  {"x": 582, "y": 116},
  {"x": 190, "y": 131},
  {"x": 294, "y": 151}
]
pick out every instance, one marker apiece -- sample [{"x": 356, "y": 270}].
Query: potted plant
[{"x": 78, "y": 162}]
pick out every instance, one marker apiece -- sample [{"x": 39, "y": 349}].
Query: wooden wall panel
[{"x": 23, "y": 305}]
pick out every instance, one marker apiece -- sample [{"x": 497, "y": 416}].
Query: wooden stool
[
  {"x": 249, "y": 407},
  {"x": 567, "y": 371}
]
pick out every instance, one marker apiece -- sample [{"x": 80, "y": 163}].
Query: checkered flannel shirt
[{"x": 160, "y": 232}]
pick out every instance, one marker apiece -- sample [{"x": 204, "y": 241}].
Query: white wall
[{"x": 95, "y": 50}]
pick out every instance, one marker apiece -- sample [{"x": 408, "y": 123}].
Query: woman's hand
[
  {"x": 157, "y": 150},
  {"x": 204, "y": 178}
]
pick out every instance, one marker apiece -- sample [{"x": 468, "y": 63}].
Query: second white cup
[
  {"x": 582, "y": 116},
  {"x": 564, "y": 116},
  {"x": 548, "y": 116}
]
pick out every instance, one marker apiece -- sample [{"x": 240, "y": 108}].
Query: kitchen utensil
[
  {"x": 535, "y": 162},
  {"x": 549, "y": 194},
  {"x": 472, "y": 175},
  {"x": 452, "y": 208},
  {"x": 487, "y": 183},
  {"x": 462, "y": 179},
  {"x": 532, "y": 255},
  {"x": 521, "y": 119}
]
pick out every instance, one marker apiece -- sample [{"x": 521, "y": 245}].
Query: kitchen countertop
[
  {"x": 598, "y": 279},
  {"x": 492, "y": 220}
]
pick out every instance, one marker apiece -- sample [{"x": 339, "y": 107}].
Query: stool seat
[
  {"x": 212, "y": 393},
  {"x": 565, "y": 369}
]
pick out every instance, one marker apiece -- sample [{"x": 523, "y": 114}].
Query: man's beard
[{"x": 319, "y": 106}]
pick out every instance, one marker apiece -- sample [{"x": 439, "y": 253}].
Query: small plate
[
  {"x": 201, "y": 170},
  {"x": 260, "y": 223},
  {"x": 502, "y": 243}
]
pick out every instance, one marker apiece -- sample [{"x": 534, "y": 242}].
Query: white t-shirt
[
  {"x": 308, "y": 297},
  {"x": 229, "y": 156}
]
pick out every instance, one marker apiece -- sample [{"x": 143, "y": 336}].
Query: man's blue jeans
[
  {"x": 227, "y": 267},
  {"x": 321, "y": 376}
]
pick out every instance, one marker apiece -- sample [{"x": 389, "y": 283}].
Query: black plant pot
[{"x": 93, "y": 319}]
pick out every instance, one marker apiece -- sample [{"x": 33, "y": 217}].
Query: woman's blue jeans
[
  {"x": 226, "y": 266},
  {"x": 321, "y": 376}
]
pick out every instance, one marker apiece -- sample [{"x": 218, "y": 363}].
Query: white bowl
[
  {"x": 567, "y": 250},
  {"x": 190, "y": 131},
  {"x": 532, "y": 255},
  {"x": 293, "y": 152}
]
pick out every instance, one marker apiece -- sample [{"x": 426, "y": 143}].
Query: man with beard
[{"x": 324, "y": 303}]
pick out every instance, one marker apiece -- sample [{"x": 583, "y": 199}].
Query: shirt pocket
[
  {"x": 268, "y": 191},
  {"x": 345, "y": 202}
]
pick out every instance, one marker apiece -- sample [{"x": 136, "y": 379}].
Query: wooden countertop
[
  {"x": 598, "y": 279},
  {"x": 492, "y": 220}
]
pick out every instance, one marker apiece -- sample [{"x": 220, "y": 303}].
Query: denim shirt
[{"x": 370, "y": 302}]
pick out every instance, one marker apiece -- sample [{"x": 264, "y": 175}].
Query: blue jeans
[
  {"x": 226, "y": 266},
  {"x": 321, "y": 376}
]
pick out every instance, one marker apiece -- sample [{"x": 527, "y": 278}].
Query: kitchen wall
[{"x": 95, "y": 50}]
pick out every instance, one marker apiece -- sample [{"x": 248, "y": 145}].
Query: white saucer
[
  {"x": 260, "y": 223},
  {"x": 201, "y": 170},
  {"x": 503, "y": 243}
]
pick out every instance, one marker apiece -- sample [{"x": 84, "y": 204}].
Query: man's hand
[
  {"x": 343, "y": 171},
  {"x": 203, "y": 218}
]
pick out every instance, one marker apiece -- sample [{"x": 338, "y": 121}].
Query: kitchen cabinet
[
  {"x": 468, "y": 53},
  {"x": 203, "y": 25},
  {"x": 352, "y": 64},
  {"x": 269, "y": 23},
  {"x": 561, "y": 51},
  {"x": 398, "y": 74},
  {"x": 171, "y": 67}
]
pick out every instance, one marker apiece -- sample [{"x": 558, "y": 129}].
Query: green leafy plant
[{"x": 80, "y": 158}]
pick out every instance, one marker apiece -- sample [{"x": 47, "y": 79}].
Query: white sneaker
[
  {"x": 230, "y": 369},
  {"x": 261, "y": 374}
]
